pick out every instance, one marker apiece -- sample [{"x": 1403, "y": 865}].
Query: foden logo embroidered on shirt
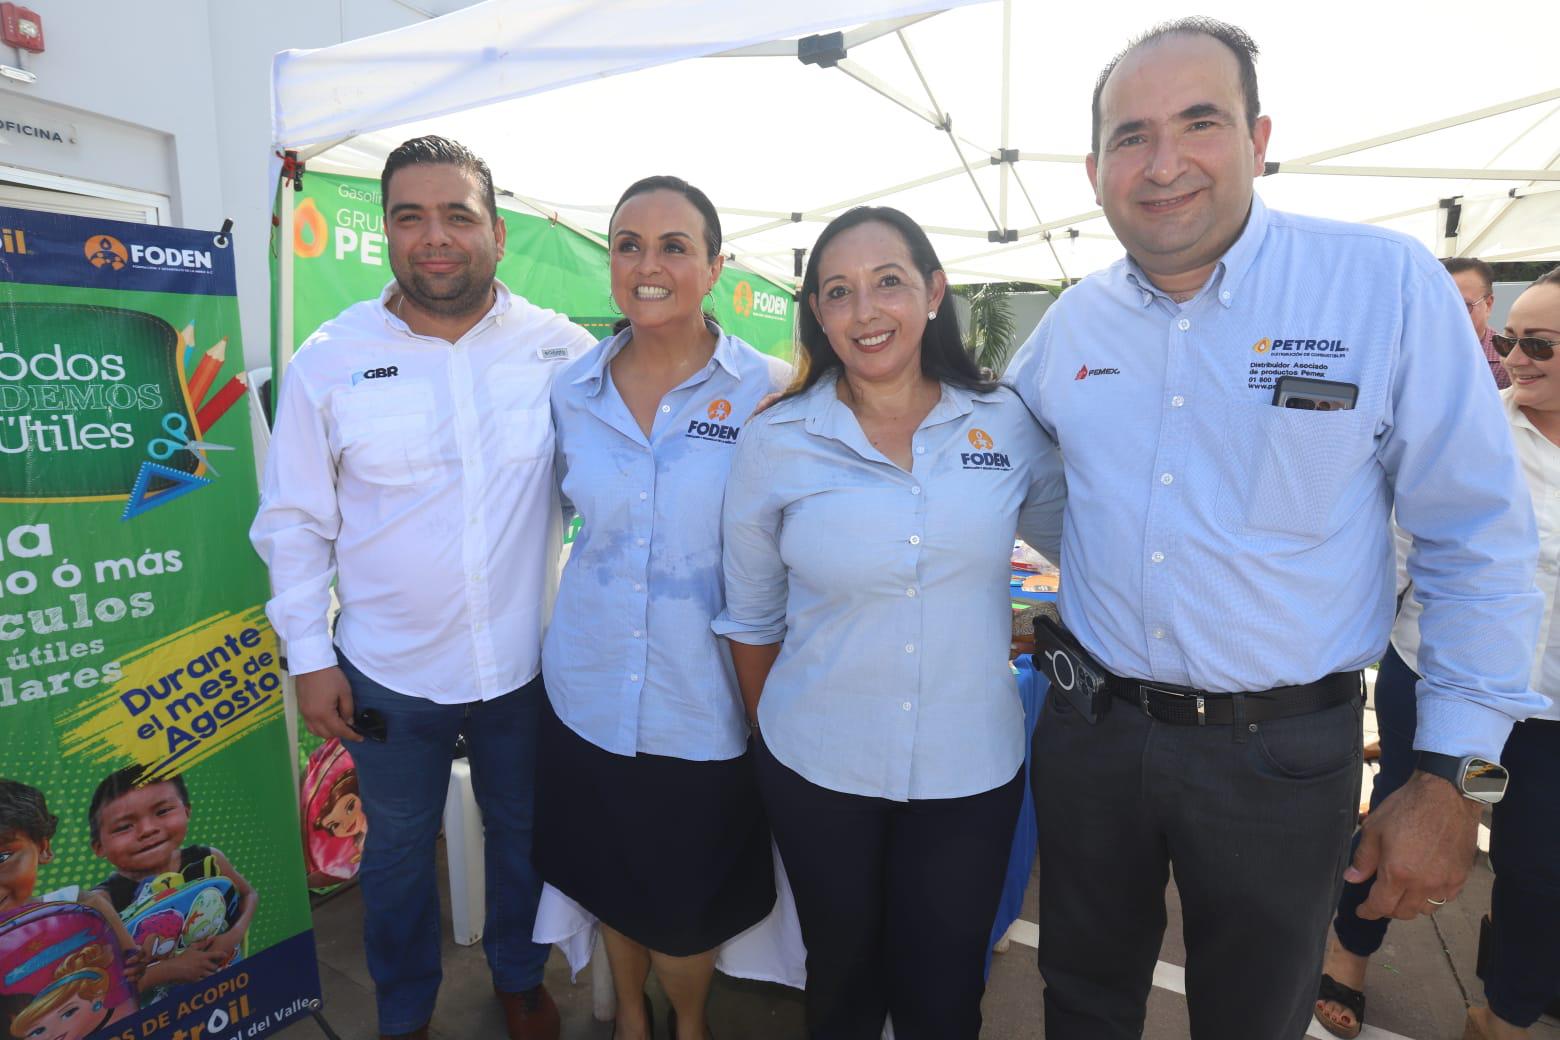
[
  {"x": 375, "y": 373},
  {"x": 1085, "y": 372},
  {"x": 983, "y": 457},
  {"x": 716, "y": 431}
]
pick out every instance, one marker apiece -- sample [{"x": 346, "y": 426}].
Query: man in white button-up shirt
[{"x": 411, "y": 463}]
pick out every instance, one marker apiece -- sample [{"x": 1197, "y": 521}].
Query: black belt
[{"x": 1184, "y": 706}]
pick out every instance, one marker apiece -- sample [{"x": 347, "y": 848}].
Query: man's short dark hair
[
  {"x": 1233, "y": 37},
  {"x": 1459, "y": 264},
  {"x": 24, "y": 811},
  {"x": 434, "y": 150},
  {"x": 121, "y": 783}
]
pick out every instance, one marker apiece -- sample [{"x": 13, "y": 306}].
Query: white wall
[{"x": 174, "y": 97}]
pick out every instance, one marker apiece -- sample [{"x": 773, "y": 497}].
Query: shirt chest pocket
[
  {"x": 521, "y": 418},
  {"x": 387, "y": 434},
  {"x": 1288, "y": 469}
]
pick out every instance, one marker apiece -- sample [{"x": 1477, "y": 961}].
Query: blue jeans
[
  {"x": 403, "y": 783},
  {"x": 1397, "y": 713}
]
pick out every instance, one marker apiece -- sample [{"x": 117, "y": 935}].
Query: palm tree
[{"x": 991, "y": 331}]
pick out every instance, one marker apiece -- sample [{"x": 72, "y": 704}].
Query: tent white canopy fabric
[{"x": 1438, "y": 119}]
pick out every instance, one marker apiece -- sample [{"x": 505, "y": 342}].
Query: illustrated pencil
[
  {"x": 221, "y": 401},
  {"x": 187, "y": 341},
  {"x": 206, "y": 371}
]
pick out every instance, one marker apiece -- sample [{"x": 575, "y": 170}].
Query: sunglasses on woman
[{"x": 1532, "y": 346}]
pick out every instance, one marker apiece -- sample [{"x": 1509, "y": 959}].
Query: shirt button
[
  {"x": 638, "y": 587},
  {"x": 920, "y": 449},
  {"x": 1159, "y": 633},
  {"x": 643, "y": 495},
  {"x": 473, "y": 517},
  {"x": 1158, "y": 557},
  {"x": 634, "y": 677},
  {"x": 1165, "y": 478},
  {"x": 1225, "y": 296},
  {"x": 910, "y": 593},
  {"x": 1177, "y": 401},
  {"x": 666, "y": 408},
  {"x": 638, "y": 634},
  {"x": 915, "y": 491},
  {"x": 905, "y": 705},
  {"x": 1183, "y": 324},
  {"x": 639, "y": 541},
  {"x": 909, "y": 648},
  {"x": 915, "y": 539}
]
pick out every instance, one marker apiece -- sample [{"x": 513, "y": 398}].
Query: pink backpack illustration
[
  {"x": 61, "y": 971},
  {"x": 334, "y": 826}
]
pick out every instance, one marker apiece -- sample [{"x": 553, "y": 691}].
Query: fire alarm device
[{"x": 21, "y": 28}]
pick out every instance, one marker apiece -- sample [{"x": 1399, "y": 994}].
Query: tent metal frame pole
[
  {"x": 1007, "y": 89},
  {"x": 1446, "y": 173},
  {"x": 1511, "y": 199},
  {"x": 1428, "y": 128},
  {"x": 284, "y": 306},
  {"x": 826, "y": 210}
]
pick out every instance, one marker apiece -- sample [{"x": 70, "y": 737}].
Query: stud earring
[{"x": 931, "y": 315}]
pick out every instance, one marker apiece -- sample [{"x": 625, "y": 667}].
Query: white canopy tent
[{"x": 1439, "y": 120}]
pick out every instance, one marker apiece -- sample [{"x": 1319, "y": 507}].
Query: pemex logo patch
[
  {"x": 1263, "y": 345},
  {"x": 984, "y": 456},
  {"x": 106, "y": 251},
  {"x": 715, "y": 429},
  {"x": 1085, "y": 372}
]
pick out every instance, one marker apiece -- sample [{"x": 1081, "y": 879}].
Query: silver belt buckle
[{"x": 1143, "y": 688}]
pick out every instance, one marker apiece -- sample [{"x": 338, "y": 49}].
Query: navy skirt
[{"x": 672, "y": 853}]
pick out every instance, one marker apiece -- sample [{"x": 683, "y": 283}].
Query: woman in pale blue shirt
[
  {"x": 647, "y": 811},
  {"x": 869, "y": 523}
]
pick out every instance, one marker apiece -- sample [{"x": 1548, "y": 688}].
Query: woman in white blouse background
[
  {"x": 1523, "y": 977},
  {"x": 648, "y": 815},
  {"x": 869, "y": 523}
]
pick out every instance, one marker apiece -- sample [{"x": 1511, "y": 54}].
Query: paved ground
[{"x": 1419, "y": 986}]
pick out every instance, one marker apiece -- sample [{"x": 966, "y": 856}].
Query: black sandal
[{"x": 1351, "y": 1000}]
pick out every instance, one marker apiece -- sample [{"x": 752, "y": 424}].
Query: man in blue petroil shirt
[{"x": 1228, "y": 560}]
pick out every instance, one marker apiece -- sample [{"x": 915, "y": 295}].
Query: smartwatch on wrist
[{"x": 1477, "y": 779}]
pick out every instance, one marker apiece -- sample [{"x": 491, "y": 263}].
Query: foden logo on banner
[
  {"x": 106, "y": 251},
  {"x": 742, "y": 299},
  {"x": 83, "y": 393}
]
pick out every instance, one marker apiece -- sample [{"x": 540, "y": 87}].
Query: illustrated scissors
[{"x": 175, "y": 425}]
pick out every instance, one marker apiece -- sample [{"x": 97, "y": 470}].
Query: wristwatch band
[{"x": 1476, "y": 779}]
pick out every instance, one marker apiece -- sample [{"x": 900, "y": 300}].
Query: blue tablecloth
[{"x": 1032, "y": 686}]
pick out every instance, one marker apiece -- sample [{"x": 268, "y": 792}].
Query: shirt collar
[
  {"x": 1514, "y": 414},
  {"x": 502, "y": 301},
  {"x": 726, "y": 355},
  {"x": 1228, "y": 274},
  {"x": 825, "y": 414}
]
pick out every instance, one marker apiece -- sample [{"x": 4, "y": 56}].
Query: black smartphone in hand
[{"x": 368, "y": 722}]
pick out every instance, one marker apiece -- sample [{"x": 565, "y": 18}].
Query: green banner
[
  {"x": 151, "y": 879},
  {"x": 340, "y": 258}
]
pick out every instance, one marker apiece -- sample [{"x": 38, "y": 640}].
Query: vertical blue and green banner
[{"x": 151, "y": 878}]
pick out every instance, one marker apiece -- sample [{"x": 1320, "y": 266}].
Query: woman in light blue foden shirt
[
  {"x": 869, "y": 525},
  {"x": 647, "y": 812}
]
